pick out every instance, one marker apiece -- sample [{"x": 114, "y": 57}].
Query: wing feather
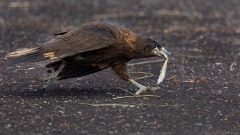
[
  {"x": 82, "y": 39},
  {"x": 77, "y": 41}
]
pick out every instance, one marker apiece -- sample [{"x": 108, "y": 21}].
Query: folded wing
[{"x": 82, "y": 39}]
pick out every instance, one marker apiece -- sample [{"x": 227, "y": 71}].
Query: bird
[{"x": 90, "y": 48}]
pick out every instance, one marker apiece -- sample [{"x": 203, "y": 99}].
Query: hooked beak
[{"x": 161, "y": 52}]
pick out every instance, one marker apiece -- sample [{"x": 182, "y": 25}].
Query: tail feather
[{"x": 26, "y": 55}]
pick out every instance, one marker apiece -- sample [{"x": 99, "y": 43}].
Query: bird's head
[{"x": 154, "y": 48}]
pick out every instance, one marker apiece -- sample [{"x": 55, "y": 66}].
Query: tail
[
  {"x": 74, "y": 69},
  {"x": 26, "y": 55}
]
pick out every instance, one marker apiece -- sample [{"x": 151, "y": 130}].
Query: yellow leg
[
  {"x": 54, "y": 75},
  {"x": 141, "y": 87}
]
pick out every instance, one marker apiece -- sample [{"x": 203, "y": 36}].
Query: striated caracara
[{"x": 90, "y": 48}]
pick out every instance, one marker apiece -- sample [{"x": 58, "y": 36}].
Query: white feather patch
[{"x": 20, "y": 52}]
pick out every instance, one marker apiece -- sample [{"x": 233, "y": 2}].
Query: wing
[
  {"x": 60, "y": 33},
  {"x": 82, "y": 39}
]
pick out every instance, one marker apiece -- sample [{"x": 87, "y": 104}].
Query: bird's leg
[
  {"x": 121, "y": 70},
  {"x": 54, "y": 75}
]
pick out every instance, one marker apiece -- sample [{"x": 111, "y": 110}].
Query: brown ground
[{"x": 201, "y": 94}]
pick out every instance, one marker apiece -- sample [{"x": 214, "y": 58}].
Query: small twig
[
  {"x": 178, "y": 13},
  {"x": 173, "y": 77},
  {"x": 155, "y": 12},
  {"x": 145, "y": 62},
  {"x": 143, "y": 77},
  {"x": 127, "y": 91},
  {"x": 175, "y": 29},
  {"x": 24, "y": 4},
  {"x": 147, "y": 75},
  {"x": 113, "y": 104},
  {"x": 188, "y": 81},
  {"x": 136, "y": 96},
  {"x": 126, "y": 105},
  {"x": 175, "y": 80},
  {"x": 233, "y": 64},
  {"x": 118, "y": 15},
  {"x": 25, "y": 69},
  {"x": 141, "y": 63}
]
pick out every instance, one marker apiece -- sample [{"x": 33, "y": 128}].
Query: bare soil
[{"x": 201, "y": 93}]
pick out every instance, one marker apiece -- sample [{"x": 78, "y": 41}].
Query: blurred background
[{"x": 201, "y": 87}]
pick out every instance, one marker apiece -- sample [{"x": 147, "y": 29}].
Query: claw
[
  {"x": 54, "y": 75},
  {"x": 142, "y": 89}
]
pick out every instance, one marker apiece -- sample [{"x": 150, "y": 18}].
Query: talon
[
  {"x": 142, "y": 89},
  {"x": 154, "y": 88},
  {"x": 53, "y": 75}
]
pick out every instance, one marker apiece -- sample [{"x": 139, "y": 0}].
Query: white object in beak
[
  {"x": 163, "y": 70},
  {"x": 165, "y": 51}
]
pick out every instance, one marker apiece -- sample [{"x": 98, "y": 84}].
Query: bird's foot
[
  {"x": 142, "y": 89},
  {"x": 54, "y": 75},
  {"x": 145, "y": 88},
  {"x": 51, "y": 78}
]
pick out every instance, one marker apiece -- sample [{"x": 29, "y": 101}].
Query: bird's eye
[
  {"x": 154, "y": 45},
  {"x": 155, "y": 50}
]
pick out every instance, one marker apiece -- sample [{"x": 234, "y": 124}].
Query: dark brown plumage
[{"x": 91, "y": 48}]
